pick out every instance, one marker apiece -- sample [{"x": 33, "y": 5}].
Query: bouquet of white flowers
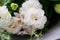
[{"x": 22, "y": 18}]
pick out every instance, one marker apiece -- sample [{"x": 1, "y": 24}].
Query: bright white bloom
[
  {"x": 5, "y": 16},
  {"x": 13, "y": 28},
  {"x": 29, "y": 4},
  {"x": 34, "y": 17}
]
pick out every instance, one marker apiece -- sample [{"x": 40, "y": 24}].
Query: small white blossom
[
  {"x": 5, "y": 17},
  {"x": 13, "y": 28}
]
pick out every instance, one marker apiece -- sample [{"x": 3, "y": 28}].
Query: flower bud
[{"x": 14, "y": 6}]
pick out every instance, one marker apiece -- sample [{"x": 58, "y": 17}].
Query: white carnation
[
  {"x": 5, "y": 16},
  {"x": 29, "y": 4},
  {"x": 34, "y": 17}
]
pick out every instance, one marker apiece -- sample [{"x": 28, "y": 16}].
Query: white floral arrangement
[{"x": 29, "y": 18}]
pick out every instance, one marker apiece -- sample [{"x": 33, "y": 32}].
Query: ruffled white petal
[{"x": 30, "y": 4}]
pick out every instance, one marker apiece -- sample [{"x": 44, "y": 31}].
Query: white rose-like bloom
[
  {"x": 5, "y": 17},
  {"x": 13, "y": 28},
  {"x": 29, "y": 4},
  {"x": 34, "y": 17}
]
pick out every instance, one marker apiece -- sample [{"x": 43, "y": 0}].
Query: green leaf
[
  {"x": 0, "y": 2},
  {"x": 5, "y": 36}
]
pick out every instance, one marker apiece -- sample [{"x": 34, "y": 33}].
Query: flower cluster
[{"x": 31, "y": 15}]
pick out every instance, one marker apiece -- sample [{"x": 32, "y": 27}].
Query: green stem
[{"x": 33, "y": 31}]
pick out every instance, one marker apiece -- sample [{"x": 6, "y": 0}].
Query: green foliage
[
  {"x": 4, "y": 2},
  {"x": 57, "y": 8},
  {"x": 5, "y": 36}
]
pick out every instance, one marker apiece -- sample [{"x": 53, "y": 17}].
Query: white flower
[
  {"x": 34, "y": 17},
  {"x": 5, "y": 16},
  {"x": 13, "y": 28},
  {"x": 29, "y": 4}
]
